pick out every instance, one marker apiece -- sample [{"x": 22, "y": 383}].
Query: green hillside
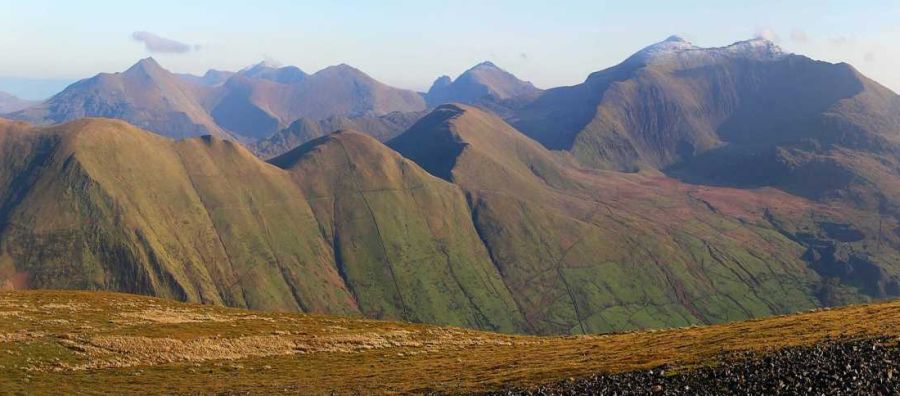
[
  {"x": 589, "y": 251},
  {"x": 503, "y": 234}
]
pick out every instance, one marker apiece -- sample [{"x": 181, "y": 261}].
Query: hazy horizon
[{"x": 407, "y": 44}]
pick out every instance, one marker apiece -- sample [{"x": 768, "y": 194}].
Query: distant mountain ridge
[
  {"x": 248, "y": 105},
  {"x": 145, "y": 95},
  {"x": 484, "y": 81}
]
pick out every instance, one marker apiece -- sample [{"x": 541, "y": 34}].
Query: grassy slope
[
  {"x": 584, "y": 251},
  {"x": 98, "y": 204},
  {"x": 352, "y": 228},
  {"x": 198, "y": 220},
  {"x": 404, "y": 238},
  {"x": 90, "y": 342}
]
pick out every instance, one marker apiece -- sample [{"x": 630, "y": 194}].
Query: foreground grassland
[{"x": 54, "y": 342}]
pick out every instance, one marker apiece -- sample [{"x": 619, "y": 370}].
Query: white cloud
[
  {"x": 162, "y": 45},
  {"x": 768, "y": 34},
  {"x": 800, "y": 36}
]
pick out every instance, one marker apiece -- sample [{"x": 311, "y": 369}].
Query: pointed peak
[
  {"x": 486, "y": 64},
  {"x": 266, "y": 64},
  {"x": 342, "y": 66},
  {"x": 676, "y": 39},
  {"x": 148, "y": 61},
  {"x": 146, "y": 65}
]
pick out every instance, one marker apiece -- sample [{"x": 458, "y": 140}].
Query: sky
[{"x": 410, "y": 43}]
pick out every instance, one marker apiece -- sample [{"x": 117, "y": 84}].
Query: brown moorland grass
[{"x": 54, "y": 342}]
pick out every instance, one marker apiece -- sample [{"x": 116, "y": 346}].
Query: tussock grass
[{"x": 91, "y": 342}]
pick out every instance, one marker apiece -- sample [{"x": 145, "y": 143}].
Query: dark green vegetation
[{"x": 57, "y": 342}]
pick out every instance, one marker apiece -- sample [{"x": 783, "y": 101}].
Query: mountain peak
[
  {"x": 676, "y": 39},
  {"x": 482, "y": 80},
  {"x": 146, "y": 65},
  {"x": 486, "y": 64},
  {"x": 343, "y": 69}
]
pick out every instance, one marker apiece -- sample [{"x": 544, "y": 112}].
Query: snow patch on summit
[{"x": 676, "y": 48}]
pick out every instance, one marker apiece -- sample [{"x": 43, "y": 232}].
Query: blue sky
[{"x": 409, "y": 43}]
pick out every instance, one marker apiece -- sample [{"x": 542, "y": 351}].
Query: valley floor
[{"x": 56, "y": 342}]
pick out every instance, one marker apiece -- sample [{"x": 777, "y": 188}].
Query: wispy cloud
[
  {"x": 768, "y": 34},
  {"x": 842, "y": 41},
  {"x": 162, "y": 45},
  {"x": 800, "y": 36}
]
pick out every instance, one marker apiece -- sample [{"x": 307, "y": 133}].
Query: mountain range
[
  {"x": 683, "y": 186},
  {"x": 247, "y": 106}
]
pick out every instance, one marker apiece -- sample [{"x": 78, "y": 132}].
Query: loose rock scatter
[{"x": 832, "y": 367}]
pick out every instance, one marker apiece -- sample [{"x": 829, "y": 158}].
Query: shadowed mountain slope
[
  {"x": 586, "y": 251},
  {"x": 382, "y": 127},
  {"x": 257, "y": 103},
  {"x": 211, "y": 78},
  {"x": 743, "y": 115},
  {"x": 249, "y": 105}
]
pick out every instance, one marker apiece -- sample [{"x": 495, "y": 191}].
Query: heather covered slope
[{"x": 587, "y": 251}]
